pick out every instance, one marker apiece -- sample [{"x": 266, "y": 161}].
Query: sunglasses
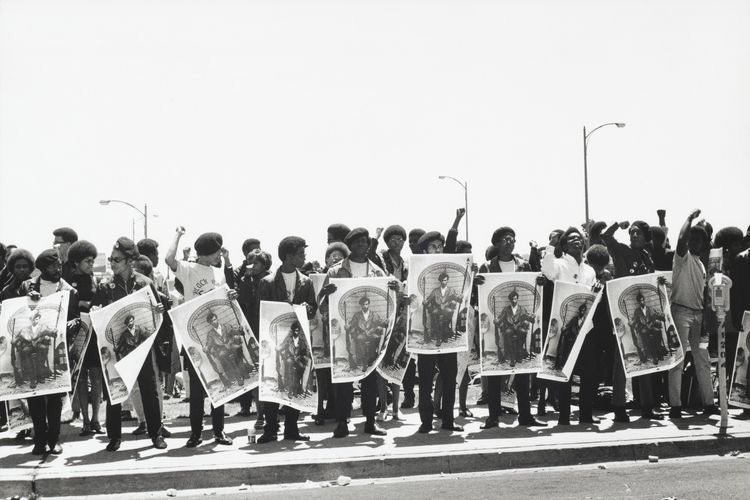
[{"x": 116, "y": 260}]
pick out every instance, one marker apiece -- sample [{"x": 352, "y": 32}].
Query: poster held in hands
[
  {"x": 319, "y": 334},
  {"x": 739, "y": 391}
]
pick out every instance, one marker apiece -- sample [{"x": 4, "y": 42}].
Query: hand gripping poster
[
  {"x": 33, "y": 350},
  {"x": 439, "y": 289},
  {"x": 571, "y": 320},
  {"x": 646, "y": 334},
  {"x": 286, "y": 360},
  {"x": 77, "y": 345},
  {"x": 361, "y": 314},
  {"x": 219, "y": 343},
  {"x": 739, "y": 391},
  {"x": 125, "y": 331},
  {"x": 319, "y": 334},
  {"x": 510, "y": 323}
]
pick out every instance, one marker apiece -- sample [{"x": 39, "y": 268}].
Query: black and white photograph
[
  {"x": 33, "y": 349},
  {"x": 361, "y": 315},
  {"x": 219, "y": 343},
  {"x": 287, "y": 369},
  {"x": 319, "y": 333},
  {"x": 396, "y": 358},
  {"x": 78, "y": 342},
  {"x": 739, "y": 390},
  {"x": 647, "y": 337},
  {"x": 510, "y": 323},
  {"x": 439, "y": 288}
]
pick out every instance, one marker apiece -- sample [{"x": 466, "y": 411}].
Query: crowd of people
[{"x": 589, "y": 255}]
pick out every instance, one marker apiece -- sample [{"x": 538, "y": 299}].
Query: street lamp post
[
  {"x": 585, "y": 162},
  {"x": 143, "y": 213},
  {"x": 464, "y": 185}
]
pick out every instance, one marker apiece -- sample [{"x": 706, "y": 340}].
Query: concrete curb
[{"x": 48, "y": 483}]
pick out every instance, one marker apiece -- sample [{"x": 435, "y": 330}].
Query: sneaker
[
  {"x": 425, "y": 428},
  {"x": 140, "y": 430},
  {"x": 267, "y": 438},
  {"x": 193, "y": 441},
  {"x": 159, "y": 443},
  {"x": 490, "y": 423},
  {"x": 164, "y": 432},
  {"x": 222, "y": 438},
  {"x": 113, "y": 445},
  {"x": 341, "y": 430},
  {"x": 466, "y": 413},
  {"x": 407, "y": 403},
  {"x": 452, "y": 427},
  {"x": 529, "y": 421},
  {"x": 39, "y": 449},
  {"x": 374, "y": 430}
]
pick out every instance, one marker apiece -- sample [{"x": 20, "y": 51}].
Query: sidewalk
[{"x": 85, "y": 468}]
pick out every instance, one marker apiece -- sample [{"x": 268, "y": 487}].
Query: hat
[
  {"x": 463, "y": 246},
  {"x": 248, "y": 244},
  {"x": 80, "y": 250},
  {"x": 126, "y": 246},
  {"x": 355, "y": 233},
  {"x": 208, "y": 243},
  {"x": 147, "y": 246},
  {"x": 290, "y": 244},
  {"x": 66, "y": 233},
  {"x": 726, "y": 236},
  {"x": 416, "y": 233},
  {"x": 46, "y": 258},
  {"x": 143, "y": 265},
  {"x": 500, "y": 233},
  {"x": 19, "y": 254},
  {"x": 338, "y": 231},
  {"x": 392, "y": 231},
  {"x": 337, "y": 246},
  {"x": 645, "y": 229},
  {"x": 490, "y": 253},
  {"x": 426, "y": 238}
]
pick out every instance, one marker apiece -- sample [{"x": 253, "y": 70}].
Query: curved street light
[
  {"x": 144, "y": 212},
  {"x": 464, "y": 185},
  {"x": 585, "y": 161}
]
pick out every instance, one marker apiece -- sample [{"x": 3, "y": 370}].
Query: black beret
[
  {"x": 147, "y": 246},
  {"x": 645, "y": 229},
  {"x": 500, "y": 232},
  {"x": 426, "y": 238},
  {"x": 416, "y": 233},
  {"x": 726, "y": 236},
  {"x": 126, "y": 246},
  {"x": 248, "y": 244},
  {"x": 393, "y": 231},
  {"x": 208, "y": 243},
  {"x": 80, "y": 250},
  {"x": 355, "y": 233},
  {"x": 338, "y": 231},
  {"x": 463, "y": 246},
  {"x": 143, "y": 265},
  {"x": 337, "y": 246},
  {"x": 490, "y": 253},
  {"x": 568, "y": 232},
  {"x": 20, "y": 254},
  {"x": 289, "y": 245},
  {"x": 46, "y": 258},
  {"x": 66, "y": 233}
]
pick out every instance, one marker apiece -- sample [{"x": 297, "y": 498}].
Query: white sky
[{"x": 277, "y": 117}]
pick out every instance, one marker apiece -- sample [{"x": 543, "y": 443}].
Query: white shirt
[
  {"x": 359, "y": 269},
  {"x": 198, "y": 279},
  {"x": 507, "y": 267},
  {"x": 47, "y": 287},
  {"x": 290, "y": 281},
  {"x": 366, "y": 315},
  {"x": 567, "y": 269}
]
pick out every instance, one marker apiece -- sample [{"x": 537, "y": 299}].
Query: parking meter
[{"x": 718, "y": 287}]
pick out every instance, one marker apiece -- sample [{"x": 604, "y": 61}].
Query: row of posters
[{"x": 367, "y": 328}]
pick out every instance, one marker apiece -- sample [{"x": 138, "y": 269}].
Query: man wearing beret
[
  {"x": 288, "y": 285},
  {"x": 64, "y": 238},
  {"x": 357, "y": 265},
  {"x": 337, "y": 232},
  {"x": 45, "y": 410},
  {"x": 197, "y": 278}
]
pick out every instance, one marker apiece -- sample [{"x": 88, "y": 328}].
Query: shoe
[
  {"x": 164, "y": 432},
  {"x": 126, "y": 416},
  {"x": 86, "y": 431},
  {"x": 452, "y": 427},
  {"x": 482, "y": 401},
  {"x": 244, "y": 412},
  {"x": 589, "y": 420},
  {"x": 489, "y": 423},
  {"x": 407, "y": 403},
  {"x": 296, "y": 437},
  {"x": 267, "y": 438},
  {"x": 711, "y": 410},
  {"x": 259, "y": 424},
  {"x": 96, "y": 428},
  {"x": 621, "y": 415},
  {"x": 193, "y": 441},
  {"x": 529, "y": 421},
  {"x": 395, "y": 417},
  {"x": 113, "y": 445},
  {"x": 649, "y": 415},
  {"x": 374, "y": 430},
  {"x": 466, "y": 413},
  {"x": 319, "y": 421},
  {"x": 341, "y": 430},
  {"x": 23, "y": 434},
  {"x": 39, "y": 449},
  {"x": 425, "y": 428},
  {"x": 222, "y": 439},
  {"x": 140, "y": 430},
  {"x": 159, "y": 443},
  {"x": 675, "y": 412},
  {"x": 380, "y": 417}
]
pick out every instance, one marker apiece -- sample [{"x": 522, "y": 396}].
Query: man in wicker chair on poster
[{"x": 440, "y": 306}]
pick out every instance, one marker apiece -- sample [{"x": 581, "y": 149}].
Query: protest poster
[
  {"x": 647, "y": 338},
  {"x": 33, "y": 349},
  {"x": 319, "y": 334},
  {"x": 219, "y": 343},
  {"x": 739, "y": 390},
  {"x": 571, "y": 320},
  {"x": 361, "y": 314},
  {"x": 439, "y": 288},
  {"x": 18, "y": 415},
  {"x": 510, "y": 323},
  {"x": 77, "y": 345},
  {"x": 286, "y": 363},
  {"x": 396, "y": 358},
  {"x": 125, "y": 331},
  {"x": 469, "y": 360}
]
